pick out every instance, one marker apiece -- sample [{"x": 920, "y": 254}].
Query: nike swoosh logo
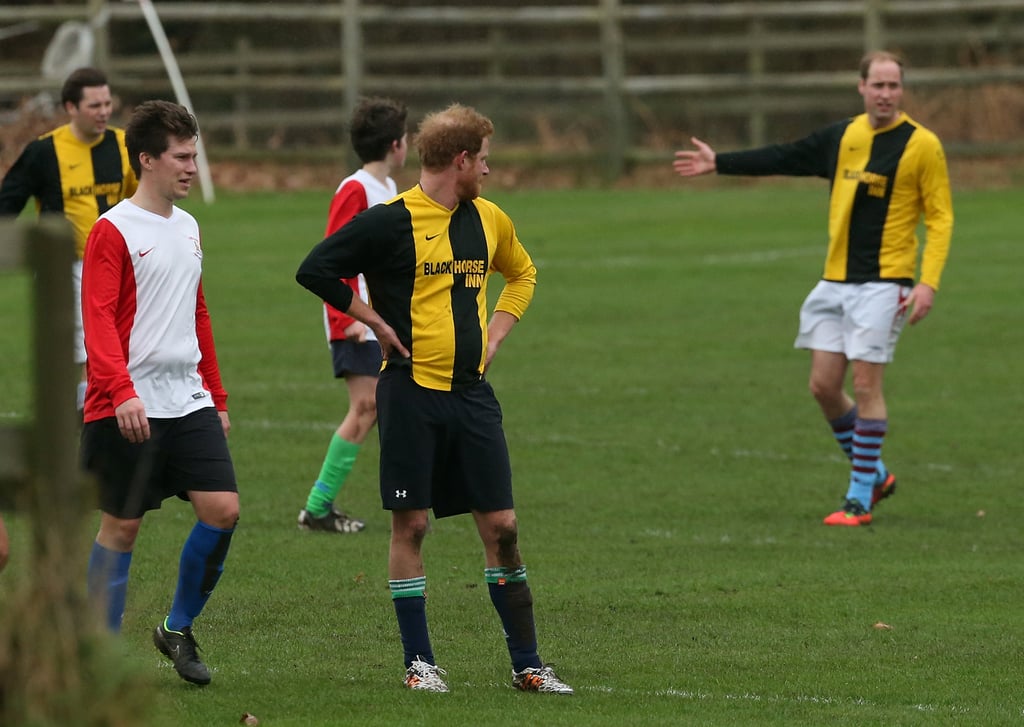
[
  {"x": 74, "y": 166},
  {"x": 431, "y": 237},
  {"x": 143, "y": 253}
]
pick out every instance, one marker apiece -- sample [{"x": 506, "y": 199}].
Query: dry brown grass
[
  {"x": 21, "y": 127},
  {"x": 57, "y": 667}
]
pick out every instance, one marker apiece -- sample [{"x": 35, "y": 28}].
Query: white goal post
[{"x": 156, "y": 29}]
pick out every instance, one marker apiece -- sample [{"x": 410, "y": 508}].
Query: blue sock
[
  {"x": 201, "y": 565},
  {"x": 867, "y": 454},
  {"x": 107, "y": 583},
  {"x": 409, "y": 598},
  {"x": 842, "y": 430},
  {"x": 510, "y": 594}
]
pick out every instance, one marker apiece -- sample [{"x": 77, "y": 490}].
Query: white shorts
[
  {"x": 862, "y": 321},
  {"x": 76, "y": 282}
]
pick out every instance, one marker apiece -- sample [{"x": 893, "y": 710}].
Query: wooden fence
[
  {"x": 608, "y": 80},
  {"x": 38, "y": 462}
]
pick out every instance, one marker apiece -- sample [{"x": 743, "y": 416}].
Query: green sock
[{"x": 341, "y": 456}]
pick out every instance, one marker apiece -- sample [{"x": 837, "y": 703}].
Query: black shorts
[
  {"x": 444, "y": 450},
  {"x": 353, "y": 357},
  {"x": 190, "y": 453}
]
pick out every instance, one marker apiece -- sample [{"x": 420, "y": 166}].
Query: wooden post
[
  {"x": 756, "y": 68},
  {"x": 55, "y": 499},
  {"x": 874, "y": 25},
  {"x": 56, "y": 664},
  {"x": 352, "y": 68},
  {"x": 98, "y": 16},
  {"x": 612, "y": 52},
  {"x": 243, "y": 54},
  {"x": 496, "y": 39}
]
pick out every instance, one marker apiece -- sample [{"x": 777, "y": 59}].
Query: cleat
[
  {"x": 335, "y": 521},
  {"x": 540, "y": 679},
  {"x": 180, "y": 647},
  {"x": 425, "y": 677},
  {"x": 883, "y": 489},
  {"x": 853, "y": 514}
]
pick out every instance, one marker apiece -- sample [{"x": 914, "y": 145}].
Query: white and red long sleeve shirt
[
  {"x": 147, "y": 329},
  {"x": 357, "y": 192}
]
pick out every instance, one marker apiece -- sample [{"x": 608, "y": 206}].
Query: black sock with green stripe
[{"x": 409, "y": 597}]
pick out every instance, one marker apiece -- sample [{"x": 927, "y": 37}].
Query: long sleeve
[
  {"x": 344, "y": 254},
  {"x": 314, "y": 275},
  {"x": 18, "y": 184},
  {"x": 812, "y": 156},
  {"x": 348, "y": 201},
  {"x": 208, "y": 366},
  {"x": 515, "y": 265},
  {"x": 107, "y": 280},
  {"x": 938, "y": 215}
]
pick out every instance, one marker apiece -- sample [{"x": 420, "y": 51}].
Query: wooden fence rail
[{"x": 609, "y": 76}]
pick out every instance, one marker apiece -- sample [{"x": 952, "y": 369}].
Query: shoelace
[
  {"x": 190, "y": 638},
  {"x": 546, "y": 677},
  {"x": 852, "y": 507},
  {"x": 427, "y": 671}
]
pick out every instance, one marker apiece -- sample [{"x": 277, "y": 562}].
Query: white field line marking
[
  {"x": 700, "y": 696},
  {"x": 769, "y": 698},
  {"x": 286, "y": 425},
  {"x": 743, "y": 257},
  {"x": 318, "y": 385},
  {"x": 559, "y": 438},
  {"x": 552, "y": 438},
  {"x": 782, "y": 457},
  {"x": 613, "y": 263},
  {"x": 760, "y": 256}
]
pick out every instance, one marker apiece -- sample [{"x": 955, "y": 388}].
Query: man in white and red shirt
[
  {"x": 379, "y": 138},
  {"x": 155, "y": 419}
]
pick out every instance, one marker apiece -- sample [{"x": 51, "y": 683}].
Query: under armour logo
[{"x": 401, "y": 493}]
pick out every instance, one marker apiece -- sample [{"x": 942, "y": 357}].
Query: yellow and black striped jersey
[
  {"x": 883, "y": 181},
  {"x": 427, "y": 269},
  {"x": 65, "y": 175}
]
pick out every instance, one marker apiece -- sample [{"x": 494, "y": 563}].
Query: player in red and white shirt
[
  {"x": 379, "y": 138},
  {"x": 155, "y": 420}
]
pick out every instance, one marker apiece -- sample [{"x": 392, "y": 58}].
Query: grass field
[{"x": 671, "y": 475}]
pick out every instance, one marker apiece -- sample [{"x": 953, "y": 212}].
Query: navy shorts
[
  {"x": 190, "y": 453},
  {"x": 353, "y": 357},
  {"x": 444, "y": 450}
]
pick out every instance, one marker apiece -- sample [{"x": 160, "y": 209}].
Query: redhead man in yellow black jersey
[
  {"x": 79, "y": 169},
  {"x": 427, "y": 256},
  {"x": 886, "y": 171}
]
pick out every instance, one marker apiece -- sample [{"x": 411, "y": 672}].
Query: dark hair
[
  {"x": 152, "y": 126},
  {"x": 376, "y": 124},
  {"x": 443, "y": 135},
  {"x": 71, "y": 91},
  {"x": 875, "y": 56}
]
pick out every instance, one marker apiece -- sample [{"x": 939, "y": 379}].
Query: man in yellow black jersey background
[
  {"x": 427, "y": 256},
  {"x": 79, "y": 169},
  {"x": 886, "y": 172}
]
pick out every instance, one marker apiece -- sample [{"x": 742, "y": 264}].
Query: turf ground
[{"x": 671, "y": 475}]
